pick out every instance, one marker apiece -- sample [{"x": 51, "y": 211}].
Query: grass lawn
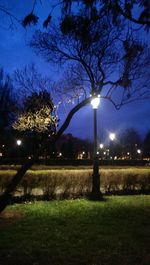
[{"x": 71, "y": 232}]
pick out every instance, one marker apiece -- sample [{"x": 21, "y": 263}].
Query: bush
[{"x": 59, "y": 183}]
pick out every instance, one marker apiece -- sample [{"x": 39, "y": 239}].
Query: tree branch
[
  {"x": 137, "y": 21},
  {"x": 4, "y": 10},
  {"x": 69, "y": 117}
]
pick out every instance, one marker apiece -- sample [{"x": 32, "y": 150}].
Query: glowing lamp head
[
  {"x": 95, "y": 102},
  {"x": 112, "y": 136},
  {"x": 139, "y": 151},
  {"x": 101, "y": 146},
  {"x": 19, "y": 142}
]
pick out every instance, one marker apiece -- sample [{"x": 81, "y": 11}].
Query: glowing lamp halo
[
  {"x": 112, "y": 136},
  {"x": 95, "y": 101},
  {"x": 18, "y": 142}
]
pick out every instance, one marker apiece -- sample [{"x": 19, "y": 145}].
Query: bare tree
[
  {"x": 113, "y": 62},
  {"x": 29, "y": 80},
  {"x": 105, "y": 58}
]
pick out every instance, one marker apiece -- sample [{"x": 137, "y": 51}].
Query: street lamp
[
  {"x": 101, "y": 146},
  {"x": 18, "y": 142},
  {"x": 112, "y": 137},
  {"x": 96, "y": 194},
  {"x": 139, "y": 151}
]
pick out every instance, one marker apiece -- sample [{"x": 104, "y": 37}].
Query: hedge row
[{"x": 71, "y": 183}]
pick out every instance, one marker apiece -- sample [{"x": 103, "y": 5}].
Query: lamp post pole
[
  {"x": 96, "y": 175},
  {"x": 96, "y": 194},
  {"x": 19, "y": 143},
  {"x": 112, "y": 137}
]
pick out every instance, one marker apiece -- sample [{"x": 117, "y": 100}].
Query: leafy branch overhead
[
  {"x": 137, "y": 12},
  {"x": 29, "y": 20},
  {"x": 96, "y": 9},
  {"x": 116, "y": 9}
]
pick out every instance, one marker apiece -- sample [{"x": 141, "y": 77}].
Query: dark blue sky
[{"x": 15, "y": 54}]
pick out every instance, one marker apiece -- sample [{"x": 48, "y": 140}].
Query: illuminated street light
[
  {"x": 96, "y": 194},
  {"x": 101, "y": 146},
  {"x": 95, "y": 102},
  {"x": 112, "y": 136},
  {"x": 18, "y": 142},
  {"x": 139, "y": 151}
]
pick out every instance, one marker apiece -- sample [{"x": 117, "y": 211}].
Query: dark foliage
[
  {"x": 38, "y": 100},
  {"x": 30, "y": 19},
  {"x": 47, "y": 21}
]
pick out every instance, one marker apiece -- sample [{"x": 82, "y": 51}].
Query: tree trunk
[{"x": 6, "y": 198}]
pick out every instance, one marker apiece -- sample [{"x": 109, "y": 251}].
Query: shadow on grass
[{"x": 64, "y": 196}]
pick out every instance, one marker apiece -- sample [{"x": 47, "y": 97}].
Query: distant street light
[
  {"x": 96, "y": 194},
  {"x": 139, "y": 151},
  {"x": 101, "y": 146},
  {"x": 18, "y": 142},
  {"x": 112, "y": 136}
]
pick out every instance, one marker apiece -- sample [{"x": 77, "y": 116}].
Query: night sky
[{"x": 15, "y": 54}]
